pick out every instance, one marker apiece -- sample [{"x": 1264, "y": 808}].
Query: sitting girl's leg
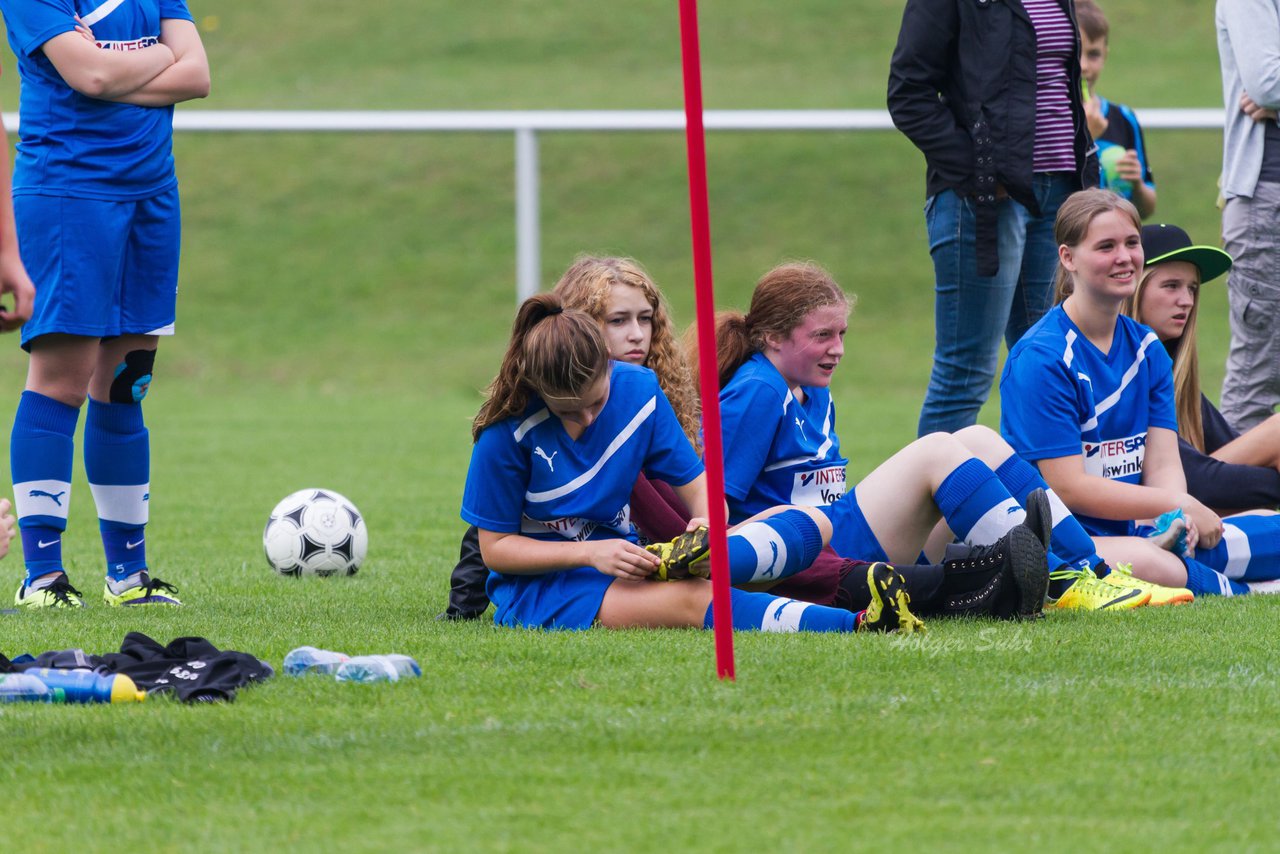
[
  {"x": 777, "y": 543},
  {"x": 763, "y": 550},
  {"x": 891, "y": 513},
  {"x": 901, "y": 501},
  {"x": 1249, "y": 549},
  {"x": 1259, "y": 446},
  {"x": 1154, "y": 564},
  {"x": 641, "y": 604},
  {"x": 1070, "y": 542}
]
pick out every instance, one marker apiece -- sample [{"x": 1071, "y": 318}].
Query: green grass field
[{"x": 345, "y": 297}]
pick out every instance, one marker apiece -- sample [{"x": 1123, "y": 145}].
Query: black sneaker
[
  {"x": 980, "y": 601},
  {"x": 1039, "y": 516},
  {"x": 1018, "y": 561}
]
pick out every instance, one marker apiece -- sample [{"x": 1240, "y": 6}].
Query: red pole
[{"x": 700, "y": 220}]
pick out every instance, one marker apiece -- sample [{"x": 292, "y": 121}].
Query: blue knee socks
[
  {"x": 1203, "y": 580},
  {"x": 117, "y": 460},
  {"x": 767, "y": 550},
  {"x": 1249, "y": 549},
  {"x": 762, "y": 612},
  {"x": 40, "y": 457},
  {"x": 773, "y": 548},
  {"x": 976, "y": 505},
  {"x": 1071, "y": 542}
]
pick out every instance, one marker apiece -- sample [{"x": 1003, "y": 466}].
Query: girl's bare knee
[
  {"x": 1271, "y": 430},
  {"x": 985, "y": 444},
  {"x": 696, "y": 600},
  {"x": 939, "y": 453}
]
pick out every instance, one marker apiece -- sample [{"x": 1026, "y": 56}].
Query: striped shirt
[{"x": 1057, "y": 68}]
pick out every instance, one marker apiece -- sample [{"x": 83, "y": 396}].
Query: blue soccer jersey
[
  {"x": 528, "y": 477},
  {"x": 777, "y": 449},
  {"x": 1061, "y": 396},
  {"x": 73, "y": 145}
]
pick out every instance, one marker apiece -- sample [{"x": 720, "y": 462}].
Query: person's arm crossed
[
  {"x": 13, "y": 275},
  {"x": 174, "y": 69},
  {"x": 185, "y": 80},
  {"x": 104, "y": 74}
]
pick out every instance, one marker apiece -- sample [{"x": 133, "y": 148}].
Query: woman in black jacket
[{"x": 989, "y": 91}]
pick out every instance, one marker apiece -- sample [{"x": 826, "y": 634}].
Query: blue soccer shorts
[
  {"x": 101, "y": 268},
  {"x": 851, "y": 534},
  {"x": 569, "y": 599}
]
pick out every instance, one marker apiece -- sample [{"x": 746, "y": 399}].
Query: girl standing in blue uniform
[
  {"x": 1088, "y": 397},
  {"x": 96, "y": 203},
  {"x": 562, "y": 436}
]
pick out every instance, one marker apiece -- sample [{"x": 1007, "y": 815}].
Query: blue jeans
[{"x": 971, "y": 311}]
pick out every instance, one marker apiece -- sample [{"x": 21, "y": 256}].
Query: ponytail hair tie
[{"x": 554, "y": 310}]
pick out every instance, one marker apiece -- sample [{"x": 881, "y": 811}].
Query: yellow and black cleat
[
  {"x": 888, "y": 611},
  {"x": 683, "y": 557}
]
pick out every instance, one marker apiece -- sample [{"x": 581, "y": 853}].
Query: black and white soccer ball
[{"x": 315, "y": 532}]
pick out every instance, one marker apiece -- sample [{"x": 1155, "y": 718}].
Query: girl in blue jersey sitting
[
  {"x": 1225, "y": 470},
  {"x": 775, "y": 368},
  {"x": 636, "y": 322},
  {"x": 559, "y": 443},
  {"x": 1087, "y": 395}
]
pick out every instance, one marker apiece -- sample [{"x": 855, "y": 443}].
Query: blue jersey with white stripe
[
  {"x": 777, "y": 449},
  {"x": 1061, "y": 396},
  {"x": 73, "y": 145},
  {"x": 527, "y": 476}
]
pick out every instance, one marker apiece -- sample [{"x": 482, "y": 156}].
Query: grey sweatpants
[{"x": 1251, "y": 234}]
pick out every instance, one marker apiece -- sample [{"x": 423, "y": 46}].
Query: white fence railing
[{"x": 527, "y": 124}]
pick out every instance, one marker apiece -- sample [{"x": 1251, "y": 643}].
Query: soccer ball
[{"x": 315, "y": 532}]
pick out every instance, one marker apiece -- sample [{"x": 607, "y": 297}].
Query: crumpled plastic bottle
[
  {"x": 308, "y": 659},
  {"x": 24, "y": 688},
  {"x": 377, "y": 668}
]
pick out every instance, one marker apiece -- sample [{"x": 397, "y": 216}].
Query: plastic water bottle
[
  {"x": 378, "y": 668},
  {"x": 1108, "y": 162},
  {"x": 308, "y": 659},
  {"x": 22, "y": 687},
  {"x": 86, "y": 686}
]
